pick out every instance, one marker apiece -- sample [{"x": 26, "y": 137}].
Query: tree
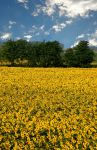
[
  {"x": 45, "y": 54},
  {"x": 53, "y": 53},
  {"x": 79, "y": 56},
  {"x": 84, "y": 55},
  {"x": 1, "y": 52},
  {"x": 10, "y": 51},
  {"x": 42, "y": 54},
  {"x": 70, "y": 58},
  {"x": 33, "y": 54},
  {"x": 22, "y": 49}
]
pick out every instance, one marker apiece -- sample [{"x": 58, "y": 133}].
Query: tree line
[{"x": 46, "y": 54}]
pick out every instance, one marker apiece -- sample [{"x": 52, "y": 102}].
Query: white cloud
[
  {"x": 58, "y": 27},
  {"x": 93, "y": 39},
  {"x": 25, "y": 6},
  {"x": 11, "y": 23},
  {"x": 70, "y": 8},
  {"x": 6, "y": 36},
  {"x": 34, "y": 14},
  {"x": 93, "y": 42},
  {"x": 36, "y": 30},
  {"x": 24, "y": 2},
  {"x": 45, "y": 9},
  {"x": 28, "y": 37},
  {"x": 34, "y": 27},
  {"x": 81, "y": 36},
  {"x": 42, "y": 27},
  {"x": 37, "y": 11},
  {"x": 75, "y": 43},
  {"x": 48, "y": 10},
  {"x": 69, "y": 21}
]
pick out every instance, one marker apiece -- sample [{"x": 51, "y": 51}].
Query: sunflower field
[{"x": 48, "y": 108}]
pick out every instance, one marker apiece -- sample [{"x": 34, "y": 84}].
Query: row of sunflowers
[{"x": 48, "y": 108}]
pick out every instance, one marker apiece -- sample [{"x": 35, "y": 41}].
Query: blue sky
[{"x": 67, "y": 21}]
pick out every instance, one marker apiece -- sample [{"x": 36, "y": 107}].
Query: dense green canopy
[{"x": 46, "y": 54}]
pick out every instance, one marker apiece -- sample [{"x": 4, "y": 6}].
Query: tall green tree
[
  {"x": 1, "y": 52},
  {"x": 10, "y": 51},
  {"x": 53, "y": 53},
  {"x": 33, "y": 54},
  {"x": 84, "y": 55},
  {"x": 79, "y": 56},
  {"x": 45, "y": 54},
  {"x": 70, "y": 58},
  {"x": 22, "y": 47}
]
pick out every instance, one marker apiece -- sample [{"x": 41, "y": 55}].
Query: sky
[{"x": 67, "y": 21}]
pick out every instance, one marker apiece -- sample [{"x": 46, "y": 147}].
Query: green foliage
[
  {"x": 95, "y": 56},
  {"x": 70, "y": 58},
  {"x": 84, "y": 55},
  {"x": 79, "y": 56},
  {"x": 10, "y": 51},
  {"x": 1, "y": 52},
  {"x": 46, "y": 54},
  {"x": 33, "y": 54},
  {"x": 21, "y": 48},
  {"x": 53, "y": 53},
  {"x": 38, "y": 54}
]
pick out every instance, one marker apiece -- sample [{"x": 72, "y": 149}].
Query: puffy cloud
[
  {"x": 25, "y": 6},
  {"x": 48, "y": 10},
  {"x": 81, "y": 36},
  {"x": 93, "y": 42},
  {"x": 37, "y": 11},
  {"x": 28, "y": 37},
  {"x": 36, "y": 30},
  {"x": 34, "y": 14},
  {"x": 42, "y": 27},
  {"x": 69, "y": 21},
  {"x": 75, "y": 43},
  {"x": 24, "y": 2},
  {"x": 6, "y": 36},
  {"x": 11, "y": 23},
  {"x": 70, "y": 8},
  {"x": 59, "y": 27},
  {"x": 93, "y": 39},
  {"x": 45, "y": 9}
]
